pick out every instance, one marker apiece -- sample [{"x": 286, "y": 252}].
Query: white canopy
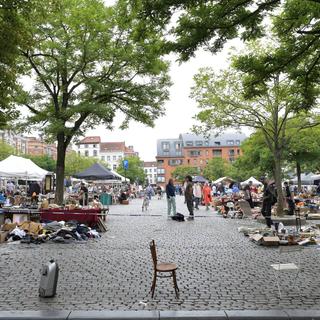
[
  {"x": 253, "y": 180},
  {"x": 223, "y": 179},
  {"x": 123, "y": 179},
  {"x": 22, "y": 168}
]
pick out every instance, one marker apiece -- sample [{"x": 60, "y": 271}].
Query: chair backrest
[
  {"x": 153, "y": 253},
  {"x": 285, "y": 255}
]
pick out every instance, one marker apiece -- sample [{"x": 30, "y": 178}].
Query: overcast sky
[{"x": 179, "y": 108}]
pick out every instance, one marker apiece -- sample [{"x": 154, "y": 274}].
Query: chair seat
[
  {"x": 284, "y": 266},
  {"x": 166, "y": 267}
]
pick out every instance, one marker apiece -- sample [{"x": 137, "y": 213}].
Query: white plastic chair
[{"x": 292, "y": 252}]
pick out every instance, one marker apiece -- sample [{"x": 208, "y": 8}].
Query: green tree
[
  {"x": 303, "y": 150},
  {"x": 135, "y": 170},
  {"x": 44, "y": 161},
  {"x": 208, "y": 24},
  {"x": 224, "y": 106},
  {"x": 76, "y": 163},
  {"x": 179, "y": 173},
  {"x": 6, "y": 150},
  {"x": 216, "y": 168},
  {"x": 91, "y": 62},
  {"x": 256, "y": 159},
  {"x": 14, "y": 15}
]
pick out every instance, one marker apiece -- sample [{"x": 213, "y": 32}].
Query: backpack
[{"x": 178, "y": 217}]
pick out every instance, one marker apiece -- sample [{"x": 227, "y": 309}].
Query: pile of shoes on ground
[{"x": 33, "y": 232}]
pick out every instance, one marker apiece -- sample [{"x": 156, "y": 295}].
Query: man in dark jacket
[
  {"x": 171, "y": 198},
  {"x": 269, "y": 199},
  {"x": 189, "y": 196},
  {"x": 289, "y": 192}
]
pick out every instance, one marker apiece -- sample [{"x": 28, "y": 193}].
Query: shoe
[{"x": 190, "y": 218}]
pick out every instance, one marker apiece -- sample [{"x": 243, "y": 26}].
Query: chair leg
[
  {"x": 153, "y": 287},
  {"x": 176, "y": 288}
]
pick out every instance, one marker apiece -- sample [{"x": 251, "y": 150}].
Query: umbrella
[{"x": 97, "y": 172}]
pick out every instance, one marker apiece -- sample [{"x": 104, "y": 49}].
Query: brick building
[
  {"x": 18, "y": 142},
  {"x": 38, "y": 147},
  {"x": 195, "y": 151},
  {"x": 110, "y": 152}
]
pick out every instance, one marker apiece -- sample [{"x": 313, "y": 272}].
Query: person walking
[
  {"x": 289, "y": 192},
  {"x": 171, "y": 198},
  {"x": 207, "y": 199},
  {"x": 189, "y": 196},
  {"x": 269, "y": 199},
  {"x": 197, "y": 192},
  {"x": 247, "y": 195}
]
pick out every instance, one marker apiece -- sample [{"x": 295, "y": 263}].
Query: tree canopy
[
  {"x": 179, "y": 173},
  {"x": 6, "y": 150},
  {"x": 135, "y": 170},
  {"x": 216, "y": 168},
  {"x": 91, "y": 62}
]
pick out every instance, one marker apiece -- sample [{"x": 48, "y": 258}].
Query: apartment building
[
  {"x": 18, "y": 142},
  {"x": 150, "y": 169},
  {"x": 37, "y": 147},
  {"x": 195, "y": 151},
  {"x": 110, "y": 152}
]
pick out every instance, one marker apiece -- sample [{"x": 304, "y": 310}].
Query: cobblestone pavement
[{"x": 218, "y": 267}]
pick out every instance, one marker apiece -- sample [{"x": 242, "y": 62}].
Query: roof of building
[
  {"x": 147, "y": 164},
  {"x": 188, "y": 140},
  {"x": 90, "y": 140},
  {"x": 112, "y": 146}
]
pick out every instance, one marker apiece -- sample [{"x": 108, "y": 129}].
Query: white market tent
[
  {"x": 223, "y": 179},
  {"x": 254, "y": 181},
  {"x": 123, "y": 179},
  {"x": 21, "y": 168}
]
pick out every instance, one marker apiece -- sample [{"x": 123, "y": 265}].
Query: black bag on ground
[{"x": 178, "y": 217}]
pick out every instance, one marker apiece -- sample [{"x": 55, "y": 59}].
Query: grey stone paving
[{"x": 218, "y": 267}]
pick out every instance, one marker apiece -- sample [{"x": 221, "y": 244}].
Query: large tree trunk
[
  {"x": 61, "y": 155},
  {"x": 277, "y": 178},
  {"x": 299, "y": 175}
]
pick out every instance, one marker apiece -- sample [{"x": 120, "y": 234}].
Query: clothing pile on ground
[
  {"x": 307, "y": 235},
  {"x": 33, "y": 232}
]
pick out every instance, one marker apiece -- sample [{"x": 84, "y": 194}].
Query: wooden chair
[{"x": 162, "y": 268}]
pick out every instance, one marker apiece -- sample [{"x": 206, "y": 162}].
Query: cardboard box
[
  {"x": 257, "y": 238},
  {"x": 8, "y": 226},
  {"x": 3, "y": 235},
  {"x": 270, "y": 241}
]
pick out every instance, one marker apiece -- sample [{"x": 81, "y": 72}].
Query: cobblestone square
[{"x": 219, "y": 268}]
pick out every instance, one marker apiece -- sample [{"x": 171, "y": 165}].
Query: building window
[
  {"x": 114, "y": 158},
  {"x": 189, "y": 143},
  {"x": 217, "y": 153},
  {"x": 161, "y": 179},
  {"x": 177, "y": 146},
  {"x": 94, "y": 145},
  {"x": 102, "y": 158},
  {"x": 199, "y": 143},
  {"x": 188, "y": 161},
  {"x": 207, "y": 152},
  {"x": 86, "y": 146},
  {"x": 79, "y": 153},
  {"x": 114, "y": 167},
  {"x": 95, "y": 153},
  {"x": 86, "y": 153},
  {"x": 201, "y": 161},
  {"x": 165, "y": 146},
  {"x": 150, "y": 170},
  {"x": 160, "y": 171},
  {"x": 119, "y": 157},
  {"x": 160, "y": 162},
  {"x": 238, "y": 142},
  {"x": 230, "y": 142},
  {"x": 155, "y": 170},
  {"x": 231, "y": 152},
  {"x": 238, "y": 152},
  {"x": 108, "y": 158},
  {"x": 206, "y": 143},
  {"x": 146, "y": 170},
  {"x": 195, "y": 153},
  {"x": 194, "y": 161},
  {"x": 217, "y": 143},
  {"x": 175, "y": 162}
]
